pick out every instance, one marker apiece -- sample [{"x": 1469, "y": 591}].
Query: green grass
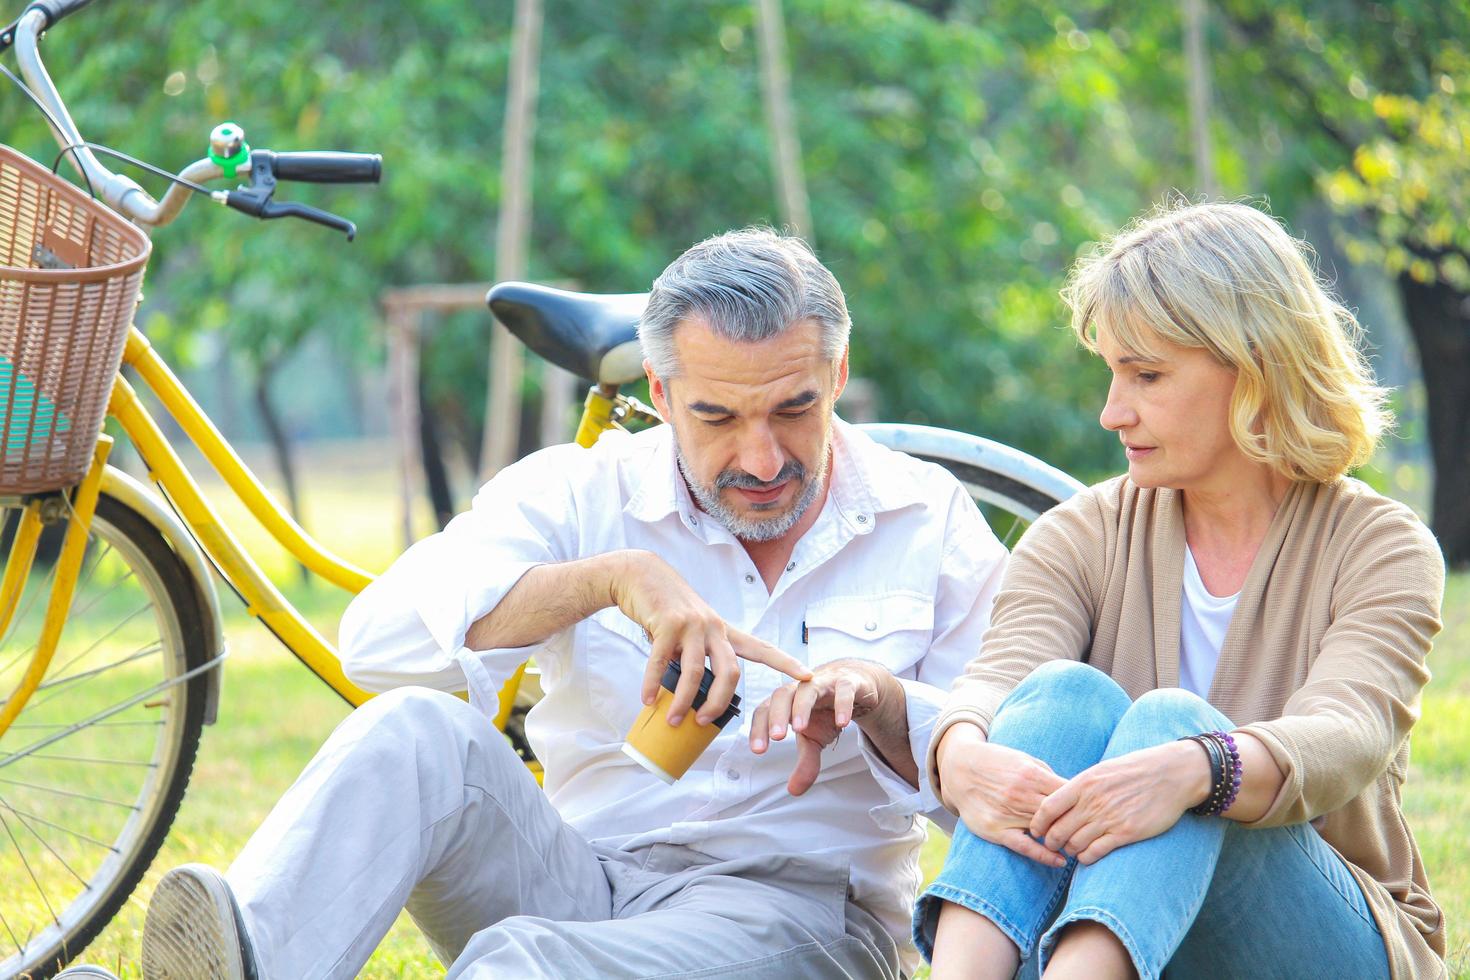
[{"x": 275, "y": 714}]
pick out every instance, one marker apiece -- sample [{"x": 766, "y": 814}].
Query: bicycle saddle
[{"x": 591, "y": 335}]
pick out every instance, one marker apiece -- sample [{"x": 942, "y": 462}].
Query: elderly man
[{"x": 755, "y": 522}]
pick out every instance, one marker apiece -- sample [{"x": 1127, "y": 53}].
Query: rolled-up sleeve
[
  {"x": 409, "y": 626},
  {"x": 970, "y": 574}
]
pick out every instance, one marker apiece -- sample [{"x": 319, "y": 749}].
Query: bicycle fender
[{"x": 156, "y": 512}]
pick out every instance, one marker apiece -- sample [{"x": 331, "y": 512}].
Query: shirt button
[
  {"x": 732, "y": 775},
  {"x": 862, "y": 518},
  {"x": 749, "y": 579},
  {"x": 870, "y": 626},
  {"x": 791, "y": 567}
]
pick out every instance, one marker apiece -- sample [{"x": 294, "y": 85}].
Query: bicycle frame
[
  {"x": 262, "y": 599},
  {"x": 604, "y": 410}
]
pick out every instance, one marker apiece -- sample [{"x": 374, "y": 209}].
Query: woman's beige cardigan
[{"x": 1323, "y": 661}]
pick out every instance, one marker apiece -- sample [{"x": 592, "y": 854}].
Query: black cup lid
[{"x": 675, "y": 670}]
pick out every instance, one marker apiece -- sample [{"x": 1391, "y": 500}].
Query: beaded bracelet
[
  {"x": 1217, "y": 774},
  {"x": 1225, "y": 772},
  {"x": 1227, "y": 742}
]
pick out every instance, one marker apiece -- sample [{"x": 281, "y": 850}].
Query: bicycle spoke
[
  {"x": 100, "y": 762},
  {"x": 108, "y": 712},
  {"x": 101, "y": 639},
  {"x": 139, "y": 654},
  {"x": 79, "y": 679},
  {"x": 56, "y": 826},
  {"x": 97, "y": 560},
  {"x": 19, "y": 947},
  {"x": 75, "y": 613},
  {"x": 18, "y": 657},
  {"x": 22, "y": 614},
  {"x": 44, "y": 843},
  {"x": 97, "y": 725},
  {"x": 45, "y": 899},
  {"x": 64, "y": 792}
]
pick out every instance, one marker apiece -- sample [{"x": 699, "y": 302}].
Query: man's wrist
[
  {"x": 608, "y": 572},
  {"x": 886, "y": 723},
  {"x": 889, "y": 710}
]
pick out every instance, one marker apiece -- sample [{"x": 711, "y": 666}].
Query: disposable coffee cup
[{"x": 667, "y": 750}]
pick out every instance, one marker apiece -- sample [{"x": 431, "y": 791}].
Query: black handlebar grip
[
  {"x": 57, "y": 9},
  {"x": 329, "y": 167}
]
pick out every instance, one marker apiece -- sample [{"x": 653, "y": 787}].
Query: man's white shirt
[{"x": 899, "y": 568}]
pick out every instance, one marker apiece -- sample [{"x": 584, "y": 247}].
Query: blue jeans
[{"x": 1207, "y": 898}]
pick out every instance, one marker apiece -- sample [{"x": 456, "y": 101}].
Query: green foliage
[
  {"x": 956, "y": 164},
  {"x": 1377, "y": 100},
  {"x": 950, "y": 190}
]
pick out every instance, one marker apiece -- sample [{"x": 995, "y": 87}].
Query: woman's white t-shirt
[{"x": 1202, "y": 626}]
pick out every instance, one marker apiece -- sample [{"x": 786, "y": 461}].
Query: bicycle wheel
[
  {"x": 1011, "y": 487},
  {"x": 93, "y": 770}
]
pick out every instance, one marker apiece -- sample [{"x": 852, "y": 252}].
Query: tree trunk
[
  {"x": 512, "y": 234},
  {"x": 1439, "y": 317},
  {"x": 436, "y": 474},
  {"x": 280, "y": 444},
  {"x": 1199, "y": 98},
  {"x": 796, "y": 210}
]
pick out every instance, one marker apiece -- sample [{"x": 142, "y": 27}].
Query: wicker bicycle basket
[{"x": 70, "y": 271}]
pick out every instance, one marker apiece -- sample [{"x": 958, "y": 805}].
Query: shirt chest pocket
[
  {"x": 890, "y": 628},
  {"x": 615, "y": 651}
]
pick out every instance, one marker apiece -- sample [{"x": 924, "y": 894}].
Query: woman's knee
[
  {"x": 1162, "y": 715},
  {"x": 1084, "y": 694},
  {"x": 1062, "y": 713}
]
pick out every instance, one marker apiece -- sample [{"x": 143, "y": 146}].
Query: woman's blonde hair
[{"x": 1229, "y": 279}]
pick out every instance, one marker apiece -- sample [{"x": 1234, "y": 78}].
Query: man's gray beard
[{"x": 755, "y": 530}]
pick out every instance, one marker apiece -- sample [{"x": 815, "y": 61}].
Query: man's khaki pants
[{"x": 416, "y": 802}]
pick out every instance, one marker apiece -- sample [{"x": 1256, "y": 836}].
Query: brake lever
[
  {"x": 291, "y": 209},
  {"x": 255, "y": 200}
]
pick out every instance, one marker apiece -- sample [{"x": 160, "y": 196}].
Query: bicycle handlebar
[
  {"x": 56, "y": 9},
  {"x": 328, "y": 167},
  {"x": 125, "y": 195}
]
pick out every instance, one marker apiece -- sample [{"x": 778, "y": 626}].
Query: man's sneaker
[
  {"x": 85, "y": 971},
  {"x": 193, "y": 930}
]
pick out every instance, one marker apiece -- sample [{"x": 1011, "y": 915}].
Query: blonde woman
[{"x": 1183, "y": 743}]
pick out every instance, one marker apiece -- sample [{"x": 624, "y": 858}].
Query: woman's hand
[
  {"x": 1120, "y": 801},
  {"x": 995, "y": 790}
]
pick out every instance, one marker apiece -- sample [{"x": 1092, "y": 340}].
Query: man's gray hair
[{"x": 748, "y": 286}]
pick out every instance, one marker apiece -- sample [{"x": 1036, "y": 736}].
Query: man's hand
[
  {"x": 995, "y": 790},
  {"x": 682, "y": 626},
  {"x": 838, "y": 693},
  {"x": 1121, "y": 801}
]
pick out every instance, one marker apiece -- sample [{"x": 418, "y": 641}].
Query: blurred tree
[
  {"x": 1377, "y": 98},
  {"x": 947, "y": 228},
  {"x": 513, "y": 233},
  {"x": 957, "y": 156},
  {"x": 1366, "y": 105}
]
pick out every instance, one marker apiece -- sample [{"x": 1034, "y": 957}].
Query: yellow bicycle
[{"x": 111, "y": 647}]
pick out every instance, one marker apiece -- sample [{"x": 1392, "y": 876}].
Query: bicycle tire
[
  {"x": 994, "y": 474},
  {"x": 165, "y": 582}
]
